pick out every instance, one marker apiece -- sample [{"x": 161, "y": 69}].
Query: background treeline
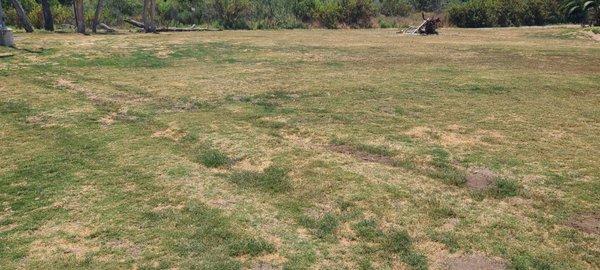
[
  {"x": 499, "y": 13},
  {"x": 267, "y": 14}
]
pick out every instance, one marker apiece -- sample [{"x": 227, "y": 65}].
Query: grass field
[{"x": 320, "y": 149}]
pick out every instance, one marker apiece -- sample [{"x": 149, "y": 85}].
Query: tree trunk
[
  {"x": 2, "y": 25},
  {"x": 22, "y": 16},
  {"x": 47, "y": 12},
  {"x": 97, "y": 15},
  {"x": 148, "y": 16},
  {"x": 79, "y": 19}
]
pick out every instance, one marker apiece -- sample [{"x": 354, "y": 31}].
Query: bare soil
[
  {"x": 364, "y": 156},
  {"x": 474, "y": 262},
  {"x": 588, "y": 222},
  {"x": 480, "y": 178}
]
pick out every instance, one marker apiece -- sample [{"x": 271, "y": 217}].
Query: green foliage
[
  {"x": 231, "y": 14},
  {"x": 395, "y": 8},
  {"x": 583, "y": 10},
  {"x": 491, "y": 13},
  {"x": 269, "y": 14}
]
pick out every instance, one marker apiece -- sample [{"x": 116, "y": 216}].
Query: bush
[
  {"x": 491, "y": 13},
  {"x": 395, "y": 8},
  {"x": 328, "y": 13},
  {"x": 357, "y": 12},
  {"x": 231, "y": 14}
]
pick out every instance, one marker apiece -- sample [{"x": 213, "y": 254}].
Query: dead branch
[
  {"x": 167, "y": 29},
  {"x": 134, "y": 23},
  {"x": 106, "y": 28}
]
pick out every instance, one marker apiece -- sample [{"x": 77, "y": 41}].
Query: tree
[
  {"x": 97, "y": 15},
  {"x": 148, "y": 16},
  {"x": 22, "y": 16},
  {"x": 586, "y": 8},
  {"x": 79, "y": 16},
  {"x": 47, "y": 14},
  {"x": 2, "y": 25}
]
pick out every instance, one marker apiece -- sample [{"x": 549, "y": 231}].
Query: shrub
[
  {"x": 489, "y": 13},
  {"x": 231, "y": 14},
  {"x": 328, "y": 13},
  {"x": 357, "y": 12},
  {"x": 395, "y": 8}
]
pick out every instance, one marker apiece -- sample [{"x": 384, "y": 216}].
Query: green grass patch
[
  {"x": 400, "y": 243},
  {"x": 448, "y": 239},
  {"x": 444, "y": 170},
  {"x": 323, "y": 227},
  {"x": 213, "y": 158},
  {"x": 367, "y": 229},
  {"x": 273, "y": 179},
  {"x": 505, "y": 188},
  {"x": 137, "y": 59},
  {"x": 250, "y": 246}
]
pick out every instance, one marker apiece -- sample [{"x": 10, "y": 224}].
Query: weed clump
[
  {"x": 505, "y": 188},
  {"x": 213, "y": 158}
]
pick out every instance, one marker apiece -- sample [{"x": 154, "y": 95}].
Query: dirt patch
[
  {"x": 171, "y": 133},
  {"x": 474, "y": 262},
  {"x": 450, "y": 224},
  {"x": 77, "y": 89},
  {"x": 364, "y": 156},
  {"x": 455, "y": 139},
  {"x": 419, "y": 132},
  {"x": 588, "y": 222},
  {"x": 480, "y": 178},
  {"x": 594, "y": 36}
]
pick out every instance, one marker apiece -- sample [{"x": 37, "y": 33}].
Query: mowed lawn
[{"x": 301, "y": 149}]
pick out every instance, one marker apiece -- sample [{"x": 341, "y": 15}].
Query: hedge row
[{"x": 493, "y": 13}]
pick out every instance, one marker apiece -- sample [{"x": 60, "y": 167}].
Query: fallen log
[
  {"x": 167, "y": 29},
  {"x": 106, "y": 28},
  {"x": 134, "y": 23}
]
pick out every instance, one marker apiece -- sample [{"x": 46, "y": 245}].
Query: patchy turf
[{"x": 303, "y": 149}]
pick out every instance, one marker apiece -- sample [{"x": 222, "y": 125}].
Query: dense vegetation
[
  {"x": 263, "y": 14},
  {"x": 493, "y": 13}
]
